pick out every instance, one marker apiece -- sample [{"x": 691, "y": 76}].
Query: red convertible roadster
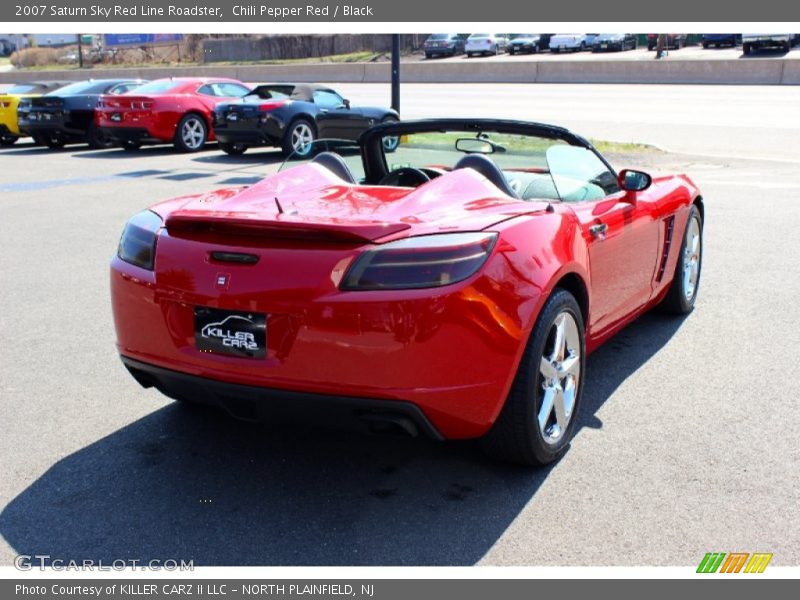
[{"x": 452, "y": 287}]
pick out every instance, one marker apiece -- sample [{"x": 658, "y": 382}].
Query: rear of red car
[
  {"x": 137, "y": 118},
  {"x": 267, "y": 313}
]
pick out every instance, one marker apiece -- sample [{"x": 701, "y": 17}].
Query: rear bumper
[
  {"x": 4, "y": 130},
  {"x": 255, "y": 403},
  {"x": 54, "y": 128},
  {"x": 250, "y": 132},
  {"x": 139, "y": 135},
  {"x": 441, "y": 50}
]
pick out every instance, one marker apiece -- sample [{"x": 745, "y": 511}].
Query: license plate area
[{"x": 233, "y": 333}]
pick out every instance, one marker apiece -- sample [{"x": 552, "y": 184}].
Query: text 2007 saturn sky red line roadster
[{"x": 450, "y": 283}]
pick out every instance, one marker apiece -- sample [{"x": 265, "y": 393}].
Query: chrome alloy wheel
[
  {"x": 691, "y": 258},
  {"x": 559, "y": 374},
  {"x": 193, "y": 133},
  {"x": 302, "y": 136}
]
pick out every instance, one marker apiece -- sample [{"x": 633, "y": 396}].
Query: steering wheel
[{"x": 405, "y": 177}]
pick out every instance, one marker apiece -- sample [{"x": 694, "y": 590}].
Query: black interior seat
[
  {"x": 335, "y": 164},
  {"x": 486, "y": 167}
]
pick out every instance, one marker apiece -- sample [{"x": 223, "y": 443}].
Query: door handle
[
  {"x": 323, "y": 110},
  {"x": 598, "y": 230}
]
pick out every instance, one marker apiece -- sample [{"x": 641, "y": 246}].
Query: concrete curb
[{"x": 713, "y": 72}]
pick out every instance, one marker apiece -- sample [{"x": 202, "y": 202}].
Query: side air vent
[{"x": 669, "y": 226}]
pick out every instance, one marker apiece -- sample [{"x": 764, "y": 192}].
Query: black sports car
[
  {"x": 292, "y": 116},
  {"x": 66, "y": 115}
]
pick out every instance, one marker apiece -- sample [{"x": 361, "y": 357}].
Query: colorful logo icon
[{"x": 734, "y": 562}]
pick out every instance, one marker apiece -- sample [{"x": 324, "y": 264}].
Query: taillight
[
  {"x": 420, "y": 262},
  {"x": 137, "y": 245},
  {"x": 267, "y": 106},
  {"x": 5, "y": 104}
]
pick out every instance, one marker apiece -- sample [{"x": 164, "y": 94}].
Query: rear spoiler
[{"x": 281, "y": 226}]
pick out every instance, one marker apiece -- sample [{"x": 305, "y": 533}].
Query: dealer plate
[{"x": 242, "y": 334}]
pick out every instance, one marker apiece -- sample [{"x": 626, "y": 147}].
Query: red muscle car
[{"x": 176, "y": 110}]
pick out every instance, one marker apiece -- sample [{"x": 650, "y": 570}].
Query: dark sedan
[
  {"x": 615, "y": 41},
  {"x": 66, "y": 115},
  {"x": 524, "y": 42},
  {"x": 443, "y": 44},
  {"x": 292, "y": 116}
]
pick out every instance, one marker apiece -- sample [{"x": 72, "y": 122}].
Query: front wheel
[
  {"x": 539, "y": 417},
  {"x": 54, "y": 143},
  {"x": 683, "y": 291},
  {"x": 191, "y": 133},
  {"x": 130, "y": 146},
  {"x": 8, "y": 140},
  {"x": 298, "y": 139},
  {"x": 233, "y": 149}
]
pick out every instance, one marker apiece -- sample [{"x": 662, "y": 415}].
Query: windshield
[
  {"x": 534, "y": 167},
  {"x": 158, "y": 87},
  {"x": 82, "y": 87},
  {"x": 439, "y": 36},
  {"x": 270, "y": 92},
  {"x": 348, "y": 150},
  {"x": 21, "y": 88}
]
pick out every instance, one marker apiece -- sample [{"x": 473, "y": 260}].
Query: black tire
[
  {"x": 130, "y": 146},
  {"x": 8, "y": 140},
  {"x": 54, "y": 143},
  {"x": 428, "y": 55},
  {"x": 516, "y": 436},
  {"x": 705, "y": 45},
  {"x": 676, "y": 301},
  {"x": 469, "y": 54},
  {"x": 39, "y": 140},
  {"x": 96, "y": 139},
  {"x": 787, "y": 46},
  {"x": 287, "y": 145},
  {"x": 233, "y": 149},
  {"x": 194, "y": 140},
  {"x": 511, "y": 51},
  {"x": 746, "y": 49}
]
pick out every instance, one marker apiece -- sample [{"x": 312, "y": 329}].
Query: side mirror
[
  {"x": 347, "y": 104},
  {"x": 634, "y": 181}
]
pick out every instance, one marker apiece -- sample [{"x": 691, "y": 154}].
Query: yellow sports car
[{"x": 9, "y": 102}]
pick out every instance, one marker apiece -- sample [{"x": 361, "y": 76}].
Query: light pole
[{"x": 396, "y": 71}]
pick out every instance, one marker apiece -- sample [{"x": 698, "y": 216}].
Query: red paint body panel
[
  {"x": 164, "y": 111},
  {"x": 453, "y": 351}
]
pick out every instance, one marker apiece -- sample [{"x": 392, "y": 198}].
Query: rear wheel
[
  {"x": 233, "y": 149},
  {"x": 130, "y": 146},
  {"x": 53, "y": 142},
  {"x": 191, "y": 133},
  {"x": 97, "y": 139},
  {"x": 390, "y": 143},
  {"x": 683, "y": 291},
  {"x": 746, "y": 49},
  {"x": 298, "y": 138},
  {"x": 540, "y": 414}
]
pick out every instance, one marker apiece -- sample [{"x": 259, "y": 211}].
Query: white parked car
[
  {"x": 572, "y": 42},
  {"x": 486, "y": 43}
]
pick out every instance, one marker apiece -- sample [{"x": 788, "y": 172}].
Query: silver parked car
[{"x": 486, "y": 43}]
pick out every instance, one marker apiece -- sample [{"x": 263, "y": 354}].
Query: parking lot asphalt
[{"x": 688, "y": 436}]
